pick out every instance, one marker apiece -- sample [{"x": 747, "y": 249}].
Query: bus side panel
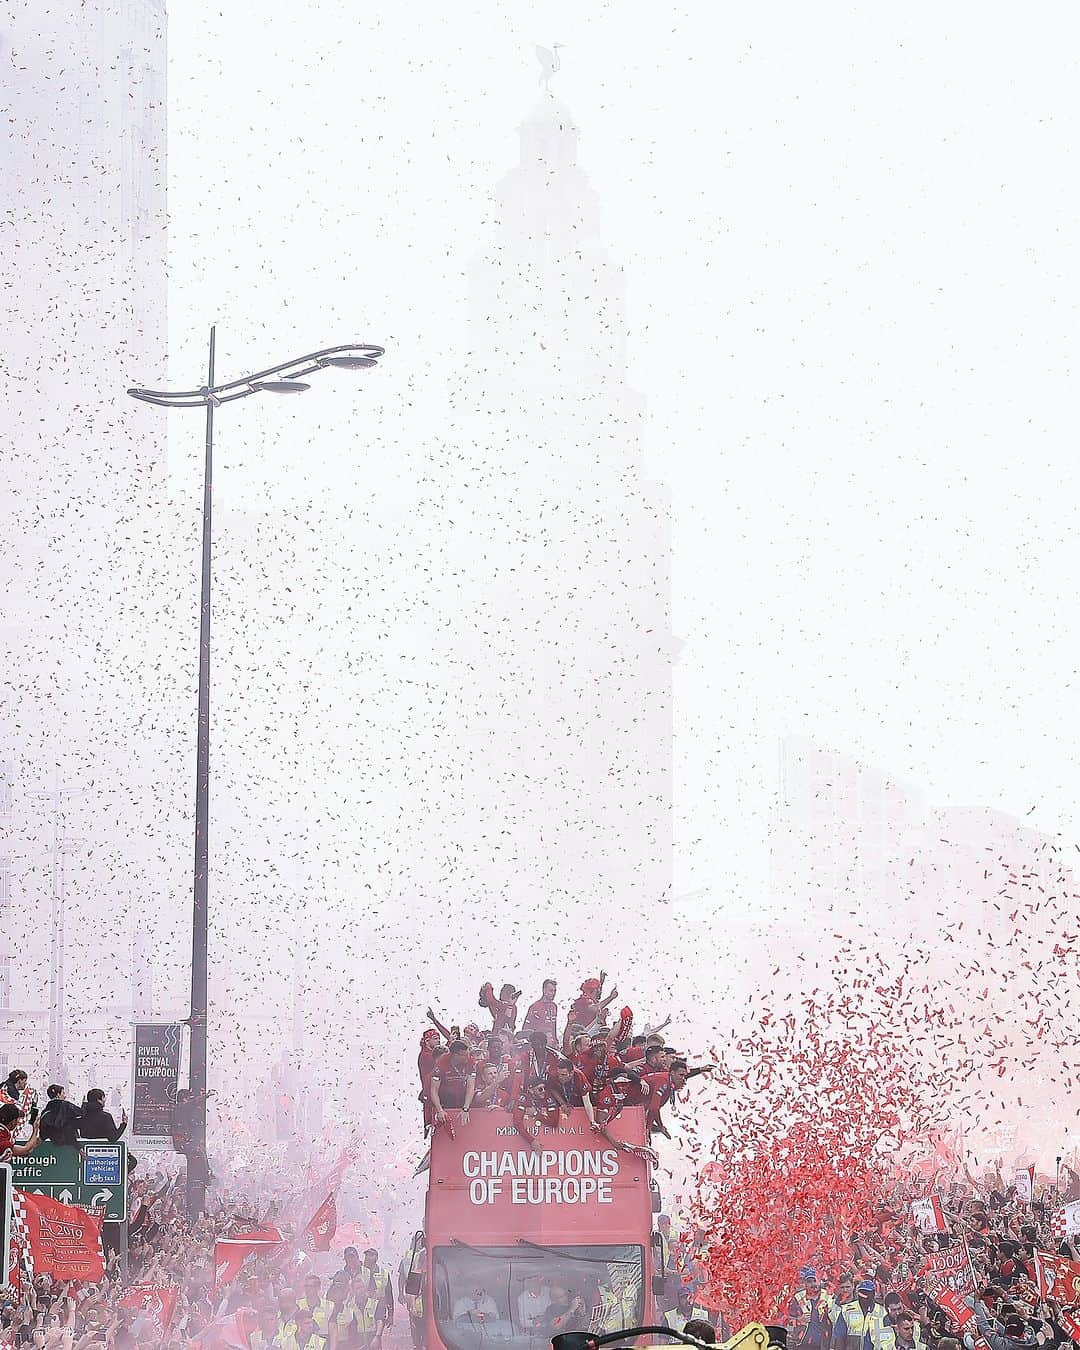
[{"x": 487, "y": 1188}]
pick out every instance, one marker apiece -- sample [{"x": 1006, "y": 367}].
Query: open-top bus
[{"x": 524, "y": 1242}]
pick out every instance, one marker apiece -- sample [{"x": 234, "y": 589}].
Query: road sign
[{"x": 92, "y": 1177}]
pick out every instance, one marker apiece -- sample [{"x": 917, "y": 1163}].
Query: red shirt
[
  {"x": 453, "y": 1082},
  {"x": 503, "y": 1010},
  {"x": 582, "y": 1084},
  {"x": 543, "y": 1015},
  {"x": 635, "y": 1093},
  {"x": 7, "y": 1143},
  {"x": 589, "y": 1061},
  {"x": 498, "y": 1101},
  {"x": 541, "y": 1099},
  {"x": 425, "y": 1063},
  {"x": 661, "y": 1090},
  {"x": 584, "y": 1011},
  {"x": 529, "y": 1071}
]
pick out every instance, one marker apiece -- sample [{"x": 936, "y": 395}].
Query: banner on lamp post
[{"x": 154, "y": 1080}]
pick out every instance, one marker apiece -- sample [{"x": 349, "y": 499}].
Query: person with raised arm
[
  {"x": 663, "y": 1087},
  {"x": 503, "y": 1009},
  {"x": 589, "y": 1009}
]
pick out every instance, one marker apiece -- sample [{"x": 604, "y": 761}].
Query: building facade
[{"x": 83, "y": 516}]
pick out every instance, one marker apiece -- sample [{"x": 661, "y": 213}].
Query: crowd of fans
[
  {"x": 890, "y": 1298},
  {"x": 535, "y": 1074},
  {"x": 284, "y": 1304}
]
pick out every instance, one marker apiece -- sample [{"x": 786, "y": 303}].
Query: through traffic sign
[{"x": 92, "y": 1177}]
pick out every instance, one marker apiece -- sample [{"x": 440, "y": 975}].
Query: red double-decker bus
[{"x": 525, "y": 1242}]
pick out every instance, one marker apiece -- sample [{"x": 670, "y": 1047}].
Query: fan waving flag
[
  {"x": 232, "y": 1254},
  {"x": 58, "y": 1240},
  {"x": 157, "y": 1301},
  {"x": 231, "y": 1331},
  {"x": 319, "y": 1233},
  {"x": 957, "y": 1306},
  {"x": 1059, "y": 1278}
]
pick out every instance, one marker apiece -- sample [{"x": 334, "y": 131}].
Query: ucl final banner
[{"x": 154, "y": 1082}]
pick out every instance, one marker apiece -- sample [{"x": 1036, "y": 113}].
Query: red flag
[
  {"x": 231, "y": 1254},
  {"x": 159, "y": 1300},
  {"x": 1071, "y": 1322},
  {"x": 264, "y": 1233},
  {"x": 230, "y": 1332},
  {"x": 1059, "y": 1278},
  {"x": 319, "y": 1233},
  {"x": 59, "y": 1240},
  {"x": 956, "y": 1306}
]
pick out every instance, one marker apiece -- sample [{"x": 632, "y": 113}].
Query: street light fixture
[{"x": 286, "y": 378}]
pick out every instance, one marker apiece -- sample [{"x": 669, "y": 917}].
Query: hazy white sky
[{"x": 848, "y": 234}]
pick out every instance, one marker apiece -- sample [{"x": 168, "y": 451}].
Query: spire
[{"x": 548, "y": 306}]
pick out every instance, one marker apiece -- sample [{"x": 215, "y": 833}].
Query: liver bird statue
[{"x": 549, "y": 64}]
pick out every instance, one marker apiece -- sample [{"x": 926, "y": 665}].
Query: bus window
[{"x": 519, "y": 1296}]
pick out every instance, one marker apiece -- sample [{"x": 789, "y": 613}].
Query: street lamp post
[{"x": 287, "y": 378}]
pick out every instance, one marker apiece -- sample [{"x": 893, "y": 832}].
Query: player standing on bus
[
  {"x": 453, "y": 1083},
  {"x": 503, "y": 1009},
  {"x": 543, "y": 1015}
]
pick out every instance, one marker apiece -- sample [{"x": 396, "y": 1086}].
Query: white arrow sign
[
  {"x": 100, "y": 1196},
  {"x": 65, "y": 1197}
]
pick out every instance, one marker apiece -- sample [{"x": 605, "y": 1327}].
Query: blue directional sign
[{"x": 103, "y": 1165}]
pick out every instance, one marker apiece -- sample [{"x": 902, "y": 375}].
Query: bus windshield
[{"x": 522, "y": 1295}]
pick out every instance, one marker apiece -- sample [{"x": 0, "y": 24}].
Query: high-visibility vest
[
  {"x": 321, "y": 1313},
  {"x": 363, "y": 1312},
  {"x": 801, "y": 1314},
  {"x": 346, "y": 1315},
  {"x": 859, "y": 1324},
  {"x": 886, "y": 1337},
  {"x": 618, "y": 1309},
  {"x": 380, "y": 1281}
]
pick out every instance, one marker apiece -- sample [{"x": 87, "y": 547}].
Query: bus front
[{"x": 524, "y": 1242}]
